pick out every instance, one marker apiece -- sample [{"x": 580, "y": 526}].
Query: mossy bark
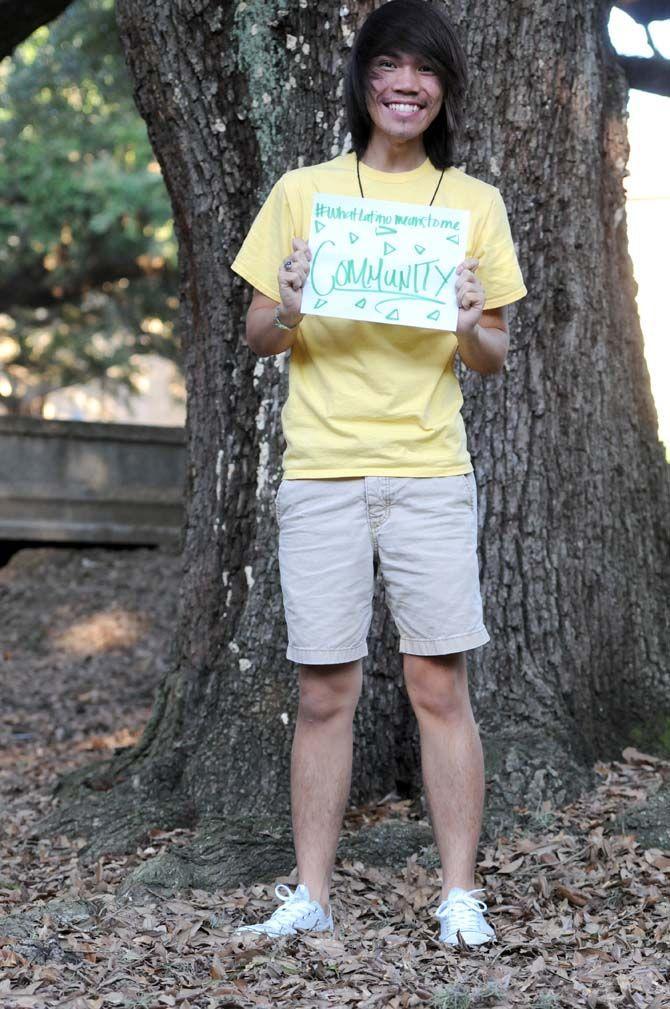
[{"x": 573, "y": 483}]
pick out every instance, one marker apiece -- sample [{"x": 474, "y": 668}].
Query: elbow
[
  {"x": 495, "y": 367},
  {"x": 490, "y": 353},
  {"x": 250, "y": 341},
  {"x": 498, "y": 368},
  {"x": 497, "y": 364}
]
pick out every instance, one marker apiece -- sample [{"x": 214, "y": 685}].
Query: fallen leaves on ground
[{"x": 582, "y": 914}]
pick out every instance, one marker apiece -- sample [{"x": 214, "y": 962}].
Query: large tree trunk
[{"x": 573, "y": 484}]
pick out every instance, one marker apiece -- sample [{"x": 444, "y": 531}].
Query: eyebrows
[{"x": 398, "y": 56}]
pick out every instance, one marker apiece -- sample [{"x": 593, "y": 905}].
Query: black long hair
[{"x": 419, "y": 28}]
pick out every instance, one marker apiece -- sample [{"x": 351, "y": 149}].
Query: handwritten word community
[
  {"x": 338, "y": 213},
  {"x": 384, "y": 261},
  {"x": 423, "y": 280}
]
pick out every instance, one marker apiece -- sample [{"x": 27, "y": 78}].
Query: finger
[
  {"x": 301, "y": 261},
  {"x": 469, "y": 299},
  {"x": 300, "y": 253},
  {"x": 467, "y": 264},
  {"x": 301, "y": 245},
  {"x": 297, "y": 258},
  {"x": 299, "y": 270},
  {"x": 295, "y": 266},
  {"x": 465, "y": 291},
  {"x": 297, "y": 281},
  {"x": 470, "y": 285},
  {"x": 287, "y": 280}
]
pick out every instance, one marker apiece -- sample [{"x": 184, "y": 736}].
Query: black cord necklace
[{"x": 358, "y": 175}]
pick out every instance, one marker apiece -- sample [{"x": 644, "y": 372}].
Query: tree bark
[{"x": 573, "y": 483}]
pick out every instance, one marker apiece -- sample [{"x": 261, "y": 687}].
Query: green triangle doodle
[
  {"x": 361, "y": 303},
  {"x": 383, "y": 230},
  {"x": 353, "y": 238},
  {"x": 388, "y": 248},
  {"x": 393, "y": 315},
  {"x": 420, "y": 249},
  {"x": 319, "y": 226},
  {"x": 434, "y": 315},
  {"x": 453, "y": 238},
  {"x": 321, "y": 302}
]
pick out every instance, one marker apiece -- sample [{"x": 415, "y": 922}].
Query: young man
[{"x": 376, "y": 461}]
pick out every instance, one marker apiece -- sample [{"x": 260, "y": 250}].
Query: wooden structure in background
[{"x": 77, "y": 481}]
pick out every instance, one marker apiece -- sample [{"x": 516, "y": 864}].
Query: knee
[
  {"x": 329, "y": 691},
  {"x": 437, "y": 686}
]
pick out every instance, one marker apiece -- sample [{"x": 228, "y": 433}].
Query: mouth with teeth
[{"x": 404, "y": 110}]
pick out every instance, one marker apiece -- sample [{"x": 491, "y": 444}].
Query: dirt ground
[{"x": 582, "y": 913}]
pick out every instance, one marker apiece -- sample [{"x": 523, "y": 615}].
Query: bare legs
[
  {"x": 452, "y": 760},
  {"x": 451, "y": 757},
  {"x": 321, "y": 768}
]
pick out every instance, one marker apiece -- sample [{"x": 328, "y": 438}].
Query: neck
[{"x": 390, "y": 155}]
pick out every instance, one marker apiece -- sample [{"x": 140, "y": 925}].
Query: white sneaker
[
  {"x": 461, "y": 912},
  {"x": 298, "y": 913}
]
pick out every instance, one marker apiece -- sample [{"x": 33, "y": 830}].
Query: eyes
[{"x": 386, "y": 62}]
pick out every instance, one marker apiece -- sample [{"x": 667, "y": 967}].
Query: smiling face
[{"x": 405, "y": 95}]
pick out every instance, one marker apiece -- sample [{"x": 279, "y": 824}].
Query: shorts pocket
[
  {"x": 472, "y": 490},
  {"x": 277, "y": 501}
]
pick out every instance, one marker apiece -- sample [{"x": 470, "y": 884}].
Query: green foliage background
[{"x": 87, "y": 248}]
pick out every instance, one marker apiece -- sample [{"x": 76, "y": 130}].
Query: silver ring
[{"x": 288, "y": 263}]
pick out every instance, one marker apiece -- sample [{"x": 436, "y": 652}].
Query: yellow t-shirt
[{"x": 369, "y": 398}]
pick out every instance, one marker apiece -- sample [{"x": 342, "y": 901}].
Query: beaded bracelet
[{"x": 280, "y": 325}]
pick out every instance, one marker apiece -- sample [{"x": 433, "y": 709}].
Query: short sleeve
[
  {"x": 499, "y": 270},
  {"x": 267, "y": 243}
]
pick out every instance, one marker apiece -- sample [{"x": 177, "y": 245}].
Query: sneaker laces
[
  {"x": 294, "y": 903},
  {"x": 462, "y": 910}
]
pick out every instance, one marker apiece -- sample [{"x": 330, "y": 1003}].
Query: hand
[
  {"x": 470, "y": 296},
  {"x": 293, "y": 277}
]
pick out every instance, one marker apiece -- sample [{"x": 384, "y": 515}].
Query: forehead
[{"x": 401, "y": 56}]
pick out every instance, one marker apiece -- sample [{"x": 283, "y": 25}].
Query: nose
[{"x": 406, "y": 79}]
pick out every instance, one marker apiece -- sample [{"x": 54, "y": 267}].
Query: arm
[
  {"x": 485, "y": 347},
  {"x": 483, "y": 337},
  {"x": 264, "y": 337}
]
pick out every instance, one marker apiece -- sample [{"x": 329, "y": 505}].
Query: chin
[
  {"x": 404, "y": 134},
  {"x": 400, "y": 131}
]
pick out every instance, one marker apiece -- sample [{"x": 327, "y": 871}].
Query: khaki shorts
[{"x": 421, "y": 531}]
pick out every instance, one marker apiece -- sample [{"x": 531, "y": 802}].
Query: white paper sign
[{"x": 381, "y": 261}]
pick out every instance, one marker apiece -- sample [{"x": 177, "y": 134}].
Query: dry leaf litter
[{"x": 582, "y": 914}]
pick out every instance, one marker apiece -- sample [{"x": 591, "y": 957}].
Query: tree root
[
  {"x": 227, "y": 853},
  {"x": 114, "y": 823},
  {"x": 115, "y": 805}
]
